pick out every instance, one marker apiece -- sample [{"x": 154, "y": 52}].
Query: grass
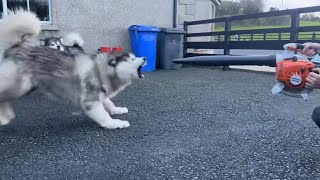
[
  {"x": 272, "y": 36},
  {"x": 234, "y": 28}
]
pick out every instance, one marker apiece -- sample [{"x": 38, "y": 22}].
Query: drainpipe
[{"x": 175, "y": 5}]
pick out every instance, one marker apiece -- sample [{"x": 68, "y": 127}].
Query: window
[
  {"x": 1, "y": 9},
  {"x": 41, "y": 7}
]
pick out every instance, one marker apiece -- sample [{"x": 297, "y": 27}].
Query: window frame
[{"x": 50, "y": 22}]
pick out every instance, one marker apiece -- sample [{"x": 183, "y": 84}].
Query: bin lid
[
  {"x": 172, "y": 30},
  {"x": 144, "y": 28}
]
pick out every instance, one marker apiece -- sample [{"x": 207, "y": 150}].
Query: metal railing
[{"x": 267, "y": 39}]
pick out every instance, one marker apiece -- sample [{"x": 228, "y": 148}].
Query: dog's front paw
[
  {"x": 4, "y": 121},
  {"x": 117, "y": 124},
  {"x": 119, "y": 110}
]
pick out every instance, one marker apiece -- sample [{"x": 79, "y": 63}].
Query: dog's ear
[
  {"x": 118, "y": 58},
  {"x": 42, "y": 42},
  {"x": 122, "y": 56},
  {"x": 112, "y": 62},
  {"x": 61, "y": 39}
]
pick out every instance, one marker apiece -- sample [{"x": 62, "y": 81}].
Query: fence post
[
  {"x": 185, "y": 39},
  {"x": 227, "y": 39},
  {"x": 280, "y": 37},
  {"x": 295, "y": 23},
  {"x": 314, "y": 36}
]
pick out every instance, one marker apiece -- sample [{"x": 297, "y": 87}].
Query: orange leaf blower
[{"x": 292, "y": 70}]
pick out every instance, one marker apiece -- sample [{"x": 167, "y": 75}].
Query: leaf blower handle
[
  {"x": 297, "y": 46},
  {"x": 294, "y": 46},
  {"x": 316, "y": 58},
  {"x": 300, "y": 46}
]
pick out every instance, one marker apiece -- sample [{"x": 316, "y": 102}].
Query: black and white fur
[
  {"x": 53, "y": 42},
  {"x": 71, "y": 43},
  {"x": 87, "y": 80}
]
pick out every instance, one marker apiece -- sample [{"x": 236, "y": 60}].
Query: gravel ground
[{"x": 193, "y": 123}]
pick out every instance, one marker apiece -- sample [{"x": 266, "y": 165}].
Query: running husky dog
[{"x": 89, "y": 81}]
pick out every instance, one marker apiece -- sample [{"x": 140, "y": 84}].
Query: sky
[{"x": 290, "y": 4}]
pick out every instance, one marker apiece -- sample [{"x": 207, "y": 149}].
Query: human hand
[
  {"x": 310, "y": 49},
  {"x": 313, "y": 79}
]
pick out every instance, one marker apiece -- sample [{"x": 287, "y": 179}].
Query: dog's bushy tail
[
  {"x": 73, "y": 39},
  {"x": 18, "y": 26}
]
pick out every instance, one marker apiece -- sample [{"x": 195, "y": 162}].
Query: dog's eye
[{"x": 52, "y": 44}]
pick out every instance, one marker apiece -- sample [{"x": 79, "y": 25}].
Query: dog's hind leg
[
  {"x": 112, "y": 109},
  {"x": 6, "y": 113}
]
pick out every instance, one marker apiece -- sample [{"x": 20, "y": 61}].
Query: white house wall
[
  {"x": 191, "y": 10},
  {"x": 106, "y": 22}
]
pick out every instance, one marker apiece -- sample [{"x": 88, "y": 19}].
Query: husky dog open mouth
[{"x": 87, "y": 80}]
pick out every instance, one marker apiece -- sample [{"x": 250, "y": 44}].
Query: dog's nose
[
  {"x": 144, "y": 58},
  {"x": 58, "y": 47}
]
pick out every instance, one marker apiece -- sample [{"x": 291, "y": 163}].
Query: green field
[
  {"x": 272, "y": 36},
  {"x": 234, "y": 28}
]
